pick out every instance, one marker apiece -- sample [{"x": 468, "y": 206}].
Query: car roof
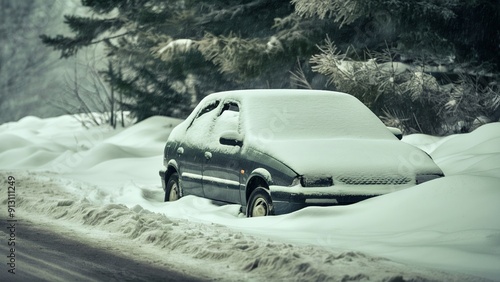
[{"x": 263, "y": 94}]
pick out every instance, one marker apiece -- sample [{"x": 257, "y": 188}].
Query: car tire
[
  {"x": 173, "y": 191},
  {"x": 260, "y": 203}
]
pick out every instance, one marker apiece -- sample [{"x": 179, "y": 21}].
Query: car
[{"x": 275, "y": 151}]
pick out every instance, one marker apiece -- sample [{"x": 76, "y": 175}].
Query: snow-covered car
[{"x": 276, "y": 151}]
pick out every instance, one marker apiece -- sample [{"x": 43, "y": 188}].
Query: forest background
[{"x": 430, "y": 66}]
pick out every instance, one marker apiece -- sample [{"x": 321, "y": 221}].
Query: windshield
[{"x": 312, "y": 117}]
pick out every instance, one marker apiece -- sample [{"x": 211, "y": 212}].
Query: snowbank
[{"x": 108, "y": 180}]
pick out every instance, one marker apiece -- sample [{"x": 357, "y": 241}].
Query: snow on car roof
[
  {"x": 259, "y": 94},
  {"x": 302, "y": 113}
]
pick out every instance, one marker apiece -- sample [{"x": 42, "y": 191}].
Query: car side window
[
  {"x": 230, "y": 106},
  {"x": 199, "y": 130},
  {"x": 227, "y": 122},
  {"x": 210, "y": 107},
  {"x": 228, "y": 119},
  {"x": 202, "y": 113}
]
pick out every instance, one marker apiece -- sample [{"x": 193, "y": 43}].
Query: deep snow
[{"x": 103, "y": 181}]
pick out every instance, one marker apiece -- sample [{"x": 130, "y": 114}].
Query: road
[{"x": 42, "y": 255}]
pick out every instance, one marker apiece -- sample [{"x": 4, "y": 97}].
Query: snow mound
[
  {"x": 105, "y": 152},
  {"x": 107, "y": 180},
  {"x": 413, "y": 205},
  {"x": 148, "y": 132},
  {"x": 483, "y": 140},
  {"x": 28, "y": 123},
  {"x": 475, "y": 153},
  {"x": 9, "y": 142},
  {"x": 253, "y": 258},
  {"x": 62, "y": 144}
]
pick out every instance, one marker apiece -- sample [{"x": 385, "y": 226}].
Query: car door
[
  {"x": 221, "y": 169},
  {"x": 191, "y": 150}
]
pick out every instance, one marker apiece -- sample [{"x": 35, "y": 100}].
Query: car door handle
[
  {"x": 208, "y": 155},
  {"x": 180, "y": 151}
]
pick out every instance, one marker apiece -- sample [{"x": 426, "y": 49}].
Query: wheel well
[
  {"x": 170, "y": 170},
  {"x": 253, "y": 183}
]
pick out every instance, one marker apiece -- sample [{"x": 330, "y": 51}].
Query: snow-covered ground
[{"x": 104, "y": 184}]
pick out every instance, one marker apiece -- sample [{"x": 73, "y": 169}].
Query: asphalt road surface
[{"x": 41, "y": 255}]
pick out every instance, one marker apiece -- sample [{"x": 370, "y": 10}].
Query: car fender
[
  {"x": 259, "y": 173},
  {"x": 278, "y": 174},
  {"x": 262, "y": 173},
  {"x": 171, "y": 165}
]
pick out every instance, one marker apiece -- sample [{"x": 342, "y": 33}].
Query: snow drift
[{"x": 104, "y": 180}]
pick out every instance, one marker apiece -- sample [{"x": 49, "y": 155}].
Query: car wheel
[
  {"x": 260, "y": 203},
  {"x": 173, "y": 191}
]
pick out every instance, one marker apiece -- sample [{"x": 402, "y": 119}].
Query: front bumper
[
  {"x": 292, "y": 198},
  {"x": 162, "y": 173}
]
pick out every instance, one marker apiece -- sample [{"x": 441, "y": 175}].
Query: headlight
[
  {"x": 421, "y": 178},
  {"x": 318, "y": 181}
]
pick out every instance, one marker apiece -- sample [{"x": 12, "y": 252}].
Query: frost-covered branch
[
  {"x": 407, "y": 95},
  {"x": 231, "y": 12},
  {"x": 299, "y": 77}
]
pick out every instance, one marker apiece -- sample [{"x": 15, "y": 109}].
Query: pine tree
[
  {"x": 170, "y": 54},
  {"x": 415, "y": 63}
]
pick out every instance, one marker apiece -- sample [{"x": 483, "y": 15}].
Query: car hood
[{"x": 351, "y": 158}]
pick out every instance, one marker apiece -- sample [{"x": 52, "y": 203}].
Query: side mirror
[
  {"x": 231, "y": 138},
  {"x": 396, "y": 131}
]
